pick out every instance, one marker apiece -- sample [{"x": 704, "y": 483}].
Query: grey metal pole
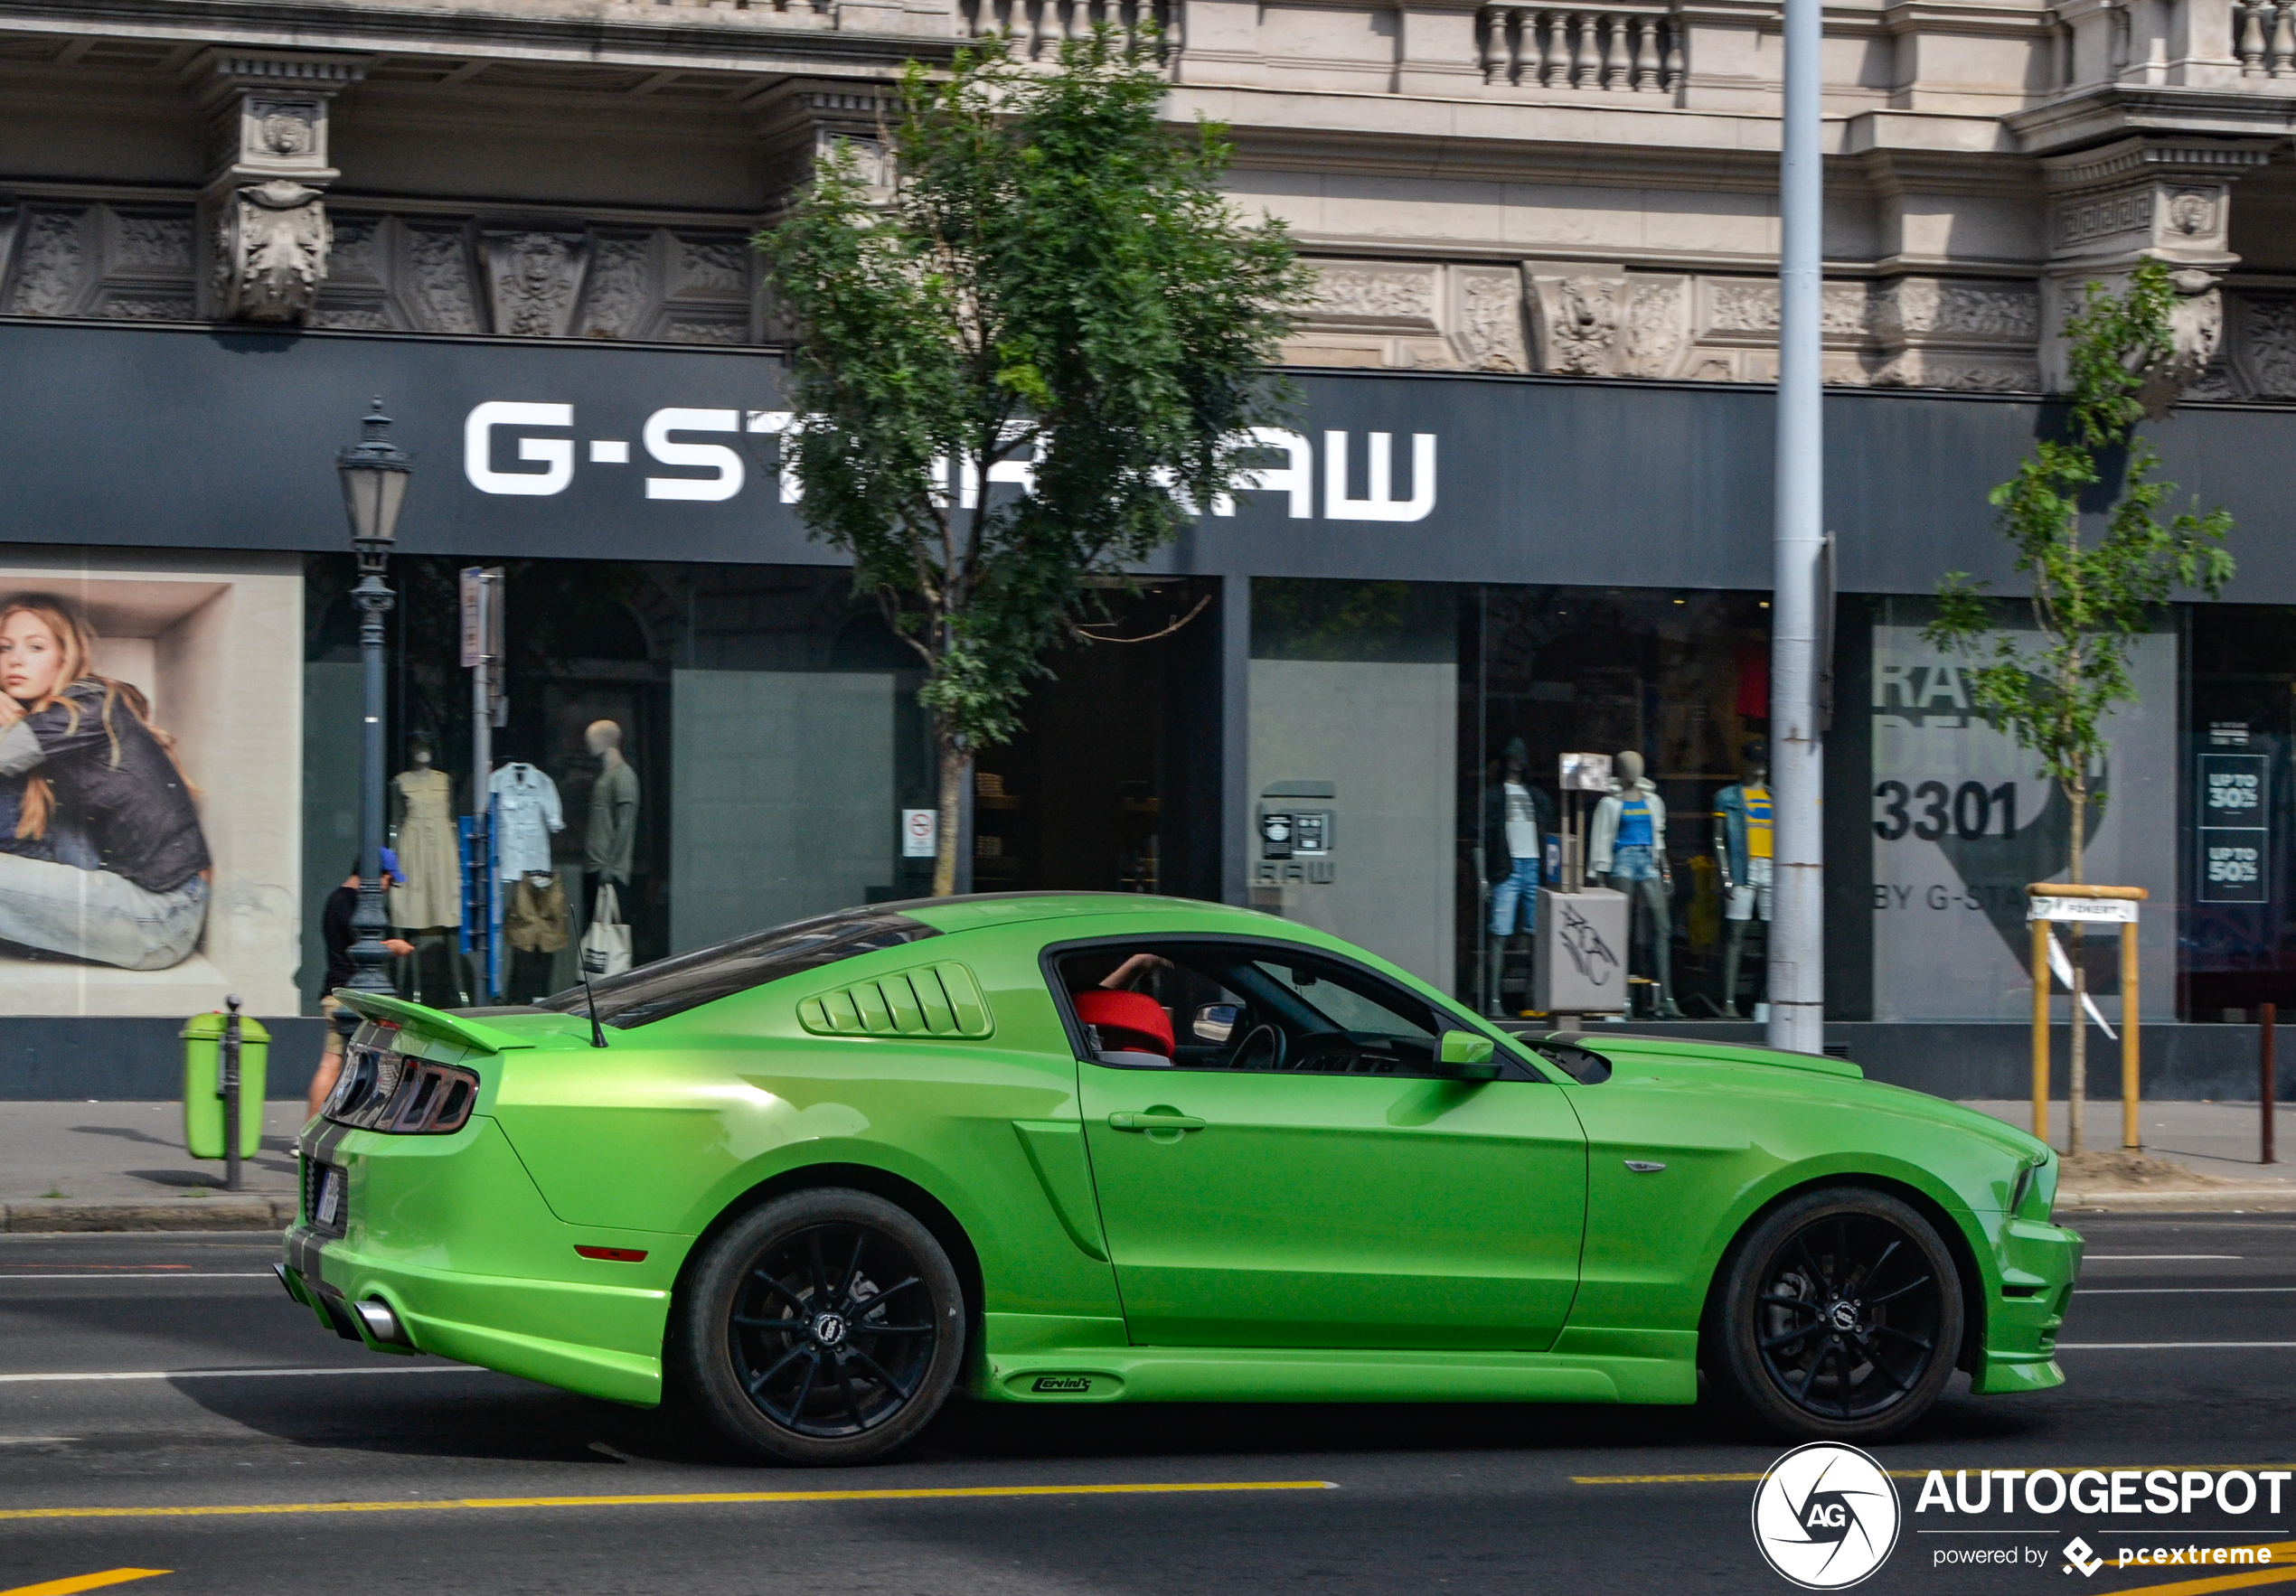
[
  {"x": 370, "y": 960},
  {"x": 230, "y": 1057},
  {"x": 1797, "y": 937}
]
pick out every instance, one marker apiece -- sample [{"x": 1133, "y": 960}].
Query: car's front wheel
[
  {"x": 1840, "y": 1317},
  {"x": 825, "y": 1327}
]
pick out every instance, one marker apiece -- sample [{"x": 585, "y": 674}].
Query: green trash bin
[{"x": 203, "y": 1037}]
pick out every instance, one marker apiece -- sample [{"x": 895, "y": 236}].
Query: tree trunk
[
  {"x": 2077, "y": 1061},
  {"x": 955, "y": 762}
]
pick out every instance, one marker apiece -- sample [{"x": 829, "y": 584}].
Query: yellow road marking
[
  {"x": 86, "y": 1582},
  {"x": 2280, "y": 1550},
  {"x": 703, "y": 1499},
  {"x": 2068, "y": 1469}
]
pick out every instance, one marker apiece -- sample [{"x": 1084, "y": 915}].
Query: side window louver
[{"x": 935, "y": 1000}]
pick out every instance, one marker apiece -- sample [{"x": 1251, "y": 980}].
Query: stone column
[
  {"x": 264, "y": 219},
  {"x": 2148, "y": 197}
]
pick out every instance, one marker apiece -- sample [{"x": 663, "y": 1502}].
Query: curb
[
  {"x": 242, "y": 1213},
  {"x": 2214, "y": 1199}
]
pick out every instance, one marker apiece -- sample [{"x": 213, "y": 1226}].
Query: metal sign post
[
  {"x": 2051, "y": 903},
  {"x": 227, "y": 1058},
  {"x": 482, "y": 625}
]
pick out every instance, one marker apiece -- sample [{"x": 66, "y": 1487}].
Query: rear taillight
[{"x": 381, "y": 1090}]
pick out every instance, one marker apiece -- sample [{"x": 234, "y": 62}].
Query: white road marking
[
  {"x": 2180, "y": 1291},
  {"x": 440, "y": 1368},
  {"x": 2156, "y": 1346},
  {"x": 2161, "y": 1258},
  {"x": 239, "y": 1274}
]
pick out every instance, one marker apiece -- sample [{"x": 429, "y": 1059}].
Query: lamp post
[{"x": 374, "y": 475}]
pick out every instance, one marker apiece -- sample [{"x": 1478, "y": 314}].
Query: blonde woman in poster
[{"x": 104, "y": 860}]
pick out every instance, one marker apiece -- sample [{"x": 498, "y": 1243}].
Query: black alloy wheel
[
  {"x": 827, "y": 1327},
  {"x": 1840, "y": 1317}
]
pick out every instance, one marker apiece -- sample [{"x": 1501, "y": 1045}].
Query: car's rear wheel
[
  {"x": 1840, "y": 1317},
  {"x": 826, "y": 1326}
]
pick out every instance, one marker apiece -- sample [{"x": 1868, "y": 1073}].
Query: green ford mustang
[{"x": 1079, "y": 1147}]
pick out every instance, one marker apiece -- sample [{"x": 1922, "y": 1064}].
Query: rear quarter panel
[{"x": 672, "y": 1123}]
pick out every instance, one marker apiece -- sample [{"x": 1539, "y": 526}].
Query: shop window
[
  {"x": 1962, "y": 821},
  {"x": 1680, "y": 678},
  {"x": 2238, "y": 950}
]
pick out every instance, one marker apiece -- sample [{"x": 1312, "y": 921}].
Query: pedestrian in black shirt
[{"x": 336, "y": 931}]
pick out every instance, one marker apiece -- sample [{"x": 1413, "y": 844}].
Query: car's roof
[{"x": 982, "y": 910}]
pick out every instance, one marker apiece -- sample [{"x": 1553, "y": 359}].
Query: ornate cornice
[{"x": 2154, "y": 156}]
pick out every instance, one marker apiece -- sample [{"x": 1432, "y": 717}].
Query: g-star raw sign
[{"x": 668, "y": 434}]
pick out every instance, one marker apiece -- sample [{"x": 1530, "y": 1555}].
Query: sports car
[{"x": 1086, "y": 1147}]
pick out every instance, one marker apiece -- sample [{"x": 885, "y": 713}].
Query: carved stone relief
[
  {"x": 98, "y": 260},
  {"x": 2261, "y": 351},
  {"x": 1926, "y": 307},
  {"x": 1487, "y": 319},
  {"x": 533, "y": 278},
  {"x": 1397, "y": 294},
  {"x": 271, "y": 252},
  {"x": 1752, "y": 308},
  {"x": 435, "y": 275},
  {"x": 1657, "y": 325},
  {"x": 52, "y": 264}
]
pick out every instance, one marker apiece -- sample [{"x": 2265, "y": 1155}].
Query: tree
[
  {"x": 2091, "y": 598},
  {"x": 1054, "y": 296}
]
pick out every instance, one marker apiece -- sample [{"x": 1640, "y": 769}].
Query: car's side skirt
[{"x": 1198, "y": 1373}]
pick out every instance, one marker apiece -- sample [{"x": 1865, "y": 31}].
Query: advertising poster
[
  {"x": 150, "y": 792},
  {"x": 1962, "y": 823}
]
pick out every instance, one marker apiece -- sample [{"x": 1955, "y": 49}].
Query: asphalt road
[{"x": 1419, "y": 1499}]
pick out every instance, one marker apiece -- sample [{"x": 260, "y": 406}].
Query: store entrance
[{"x": 1113, "y": 784}]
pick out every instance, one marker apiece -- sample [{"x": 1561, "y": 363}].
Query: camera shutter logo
[{"x": 1825, "y": 1515}]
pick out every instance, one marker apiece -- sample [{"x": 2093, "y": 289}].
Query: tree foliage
[
  {"x": 2091, "y": 597},
  {"x": 1054, "y": 295}
]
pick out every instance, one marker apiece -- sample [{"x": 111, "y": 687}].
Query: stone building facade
[{"x": 1585, "y": 190}]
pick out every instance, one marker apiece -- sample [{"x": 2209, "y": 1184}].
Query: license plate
[{"x": 330, "y": 1197}]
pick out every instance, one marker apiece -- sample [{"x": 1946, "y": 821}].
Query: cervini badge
[{"x": 1825, "y": 1515}]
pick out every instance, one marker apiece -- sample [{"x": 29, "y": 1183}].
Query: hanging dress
[{"x": 431, "y": 894}]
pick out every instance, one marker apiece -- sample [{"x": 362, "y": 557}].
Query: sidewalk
[
  {"x": 2217, "y": 1141},
  {"x": 122, "y": 1166}
]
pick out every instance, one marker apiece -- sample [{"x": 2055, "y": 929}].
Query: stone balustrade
[
  {"x": 2264, "y": 38},
  {"x": 1039, "y": 26},
  {"x": 1585, "y": 48}
]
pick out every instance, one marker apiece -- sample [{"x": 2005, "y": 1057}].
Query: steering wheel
[{"x": 1242, "y": 1057}]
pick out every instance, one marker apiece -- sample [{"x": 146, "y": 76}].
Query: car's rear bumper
[
  {"x": 2040, "y": 1264},
  {"x": 451, "y": 1235}
]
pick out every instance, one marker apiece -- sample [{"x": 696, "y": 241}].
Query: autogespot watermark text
[{"x": 1974, "y": 1493}]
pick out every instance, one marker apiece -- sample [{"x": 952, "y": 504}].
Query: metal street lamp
[{"x": 375, "y": 473}]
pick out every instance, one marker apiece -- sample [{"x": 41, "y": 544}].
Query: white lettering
[
  {"x": 1984, "y": 1491},
  {"x": 728, "y": 465},
  {"x": 1378, "y": 503},
  {"x": 783, "y": 423},
  {"x": 2033, "y": 1490},
  {"x": 2160, "y": 1491},
  {"x": 1933, "y": 1489},
  {"x": 2272, "y": 1477},
  {"x": 2198, "y": 1486},
  {"x": 1295, "y": 477},
  {"x": 555, "y": 454}
]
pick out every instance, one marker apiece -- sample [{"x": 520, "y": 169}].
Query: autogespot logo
[{"x": 1825, "y": 1515}]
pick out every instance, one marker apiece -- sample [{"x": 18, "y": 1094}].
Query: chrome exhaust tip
[{"x": 382, "y": 1324}]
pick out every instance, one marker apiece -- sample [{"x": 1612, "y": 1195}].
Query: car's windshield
[{"x": 672, "y": 986}]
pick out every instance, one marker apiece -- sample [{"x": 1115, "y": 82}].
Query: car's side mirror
[
  {"x": 1466, "y": 1057},
  {"x": 1215, "y": 1023}
]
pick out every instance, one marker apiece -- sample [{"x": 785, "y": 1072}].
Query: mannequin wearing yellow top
[{"x": 1744, "y": 830}]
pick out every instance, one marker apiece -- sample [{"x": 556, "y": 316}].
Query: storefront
[{"x": 1433, "y": 587}]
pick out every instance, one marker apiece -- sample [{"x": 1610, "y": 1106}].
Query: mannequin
[
  {"x": 1626, "y": 851},
  {"x": 612, "y": 837},
  {"x": 427, "y": 903},
  {"x": 1742, "y": 847},
  {"x": 526, "y": 811},
  {"x": 1516, "y": 819}
]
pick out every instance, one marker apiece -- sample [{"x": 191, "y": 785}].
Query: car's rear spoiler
[{"x": 438, "y": 1022}]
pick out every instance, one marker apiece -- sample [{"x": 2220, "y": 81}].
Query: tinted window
[{"x": 672, "y": 986}]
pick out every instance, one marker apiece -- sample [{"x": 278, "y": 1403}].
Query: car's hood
[{"x": 1805, "y": 1074}]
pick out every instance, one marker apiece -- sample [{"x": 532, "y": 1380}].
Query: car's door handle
[{"x": 1155, "y": 1121}]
